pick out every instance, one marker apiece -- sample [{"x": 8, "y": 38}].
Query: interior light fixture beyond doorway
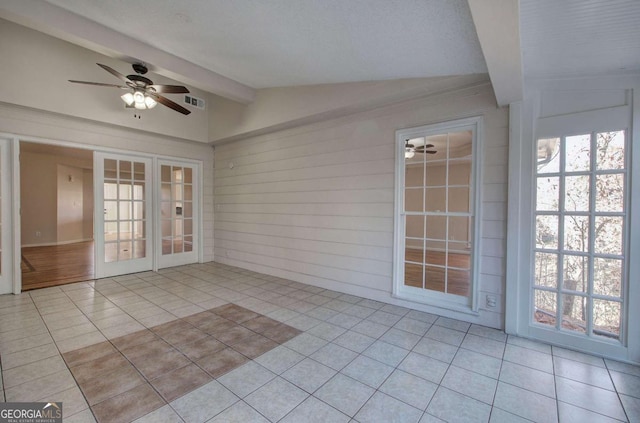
[
  {"x": 409, "y": 150},
  {"x": 139, "y": 100}
]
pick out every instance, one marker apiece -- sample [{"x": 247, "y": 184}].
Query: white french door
[
  {"x": 577, "y": 272},
  {"x": 123, "y": 230},
  {"x": 178, "y": 242},
  {"x": 580, "y": 258}
]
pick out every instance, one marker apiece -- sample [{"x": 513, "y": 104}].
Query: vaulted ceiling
[{"x": 232, "y": 47}]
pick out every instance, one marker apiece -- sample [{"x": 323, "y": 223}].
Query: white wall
[
  {"x": 315, "y": 203},
  {"x": 286, "y": 107},
  {"x": 39, "y": 178},
  {"x": 87, "y": 203},
  {"x": 70, "y": 210}
]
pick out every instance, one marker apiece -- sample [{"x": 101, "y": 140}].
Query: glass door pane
[
  {"x": 177, "y": 220},
  {"x": 124, "y": 217}
]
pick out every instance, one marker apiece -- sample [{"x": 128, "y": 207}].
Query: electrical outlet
[
  {"x": 491, "y": 301},
  {"x": 38, "y": 234}
]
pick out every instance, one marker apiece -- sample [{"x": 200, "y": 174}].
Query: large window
[
  {"x": 436, "y": 211},
  {"x": 580, "y": 226}
]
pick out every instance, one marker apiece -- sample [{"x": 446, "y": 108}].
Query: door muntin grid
[
  {"x": 176, "y": 209},
  {"x": 438, "y": 213},
  {"x": 580, "y": 234},
  {"x": 124, "y": 210}
]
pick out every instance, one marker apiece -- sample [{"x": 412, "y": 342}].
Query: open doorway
[{"x": 57, "y": 209}]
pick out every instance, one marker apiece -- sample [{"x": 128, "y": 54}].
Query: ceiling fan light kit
[
  {"x": 143, "y": 93},
  {"x": 409, "y": 152},
  {"x": 138, "y": 100}
]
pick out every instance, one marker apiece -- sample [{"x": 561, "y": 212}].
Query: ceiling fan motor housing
[
  {"x": 139, "y": 68},
  {"x": 140, "y": 80}
]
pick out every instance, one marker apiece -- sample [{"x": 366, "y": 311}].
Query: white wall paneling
[{"x": 315, "y": 203}]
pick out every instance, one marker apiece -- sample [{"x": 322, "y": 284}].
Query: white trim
[
  {"x": 512, "y": 291},
  {"x": 633, "y": 293},
  {"x": 6, "y": 189},
  {"x": 15, "y": 216},
  {"x": 92, "y": 148},
  {"x": 467, "y": 305},
  {"x": 609, "y": 119}
]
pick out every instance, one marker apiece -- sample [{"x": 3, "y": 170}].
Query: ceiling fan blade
[
  {"x": 170, "y": 104},
  {"x": 424, "y": 147},
  {"x": 114, "y": 73},
  {"x": 430, "y": 152},
  {"x": 170, "y": 89},
  {"x": 100, "y": 84}
]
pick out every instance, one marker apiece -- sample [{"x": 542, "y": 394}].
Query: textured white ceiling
[
  {"x": 300, "y": 42},
  {"x": 579, "y": 37}
]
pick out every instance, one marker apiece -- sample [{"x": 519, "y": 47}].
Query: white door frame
[{"x": 8, "y": 264}]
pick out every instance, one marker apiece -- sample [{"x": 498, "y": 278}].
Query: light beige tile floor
[{"x": 357, "y": 360}]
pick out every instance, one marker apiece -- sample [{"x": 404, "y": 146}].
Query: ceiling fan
[
  {"x": 410, "y": 150},
  {"x": 143, "y": 93}
]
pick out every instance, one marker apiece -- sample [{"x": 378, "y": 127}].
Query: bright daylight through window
[{"x": 580, "y": 225}]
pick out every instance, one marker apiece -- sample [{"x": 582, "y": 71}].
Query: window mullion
[
  {"x": 592, "y": 232},
  {"x": 446, "y": 232},
  {"x": 561, "y": 215}
]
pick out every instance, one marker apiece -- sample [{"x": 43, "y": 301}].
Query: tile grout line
[
  {"x": 504, "y": 352},
  {"x": 626, "y": 414}
]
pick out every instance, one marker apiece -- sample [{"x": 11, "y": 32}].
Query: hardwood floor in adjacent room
[
  {"x": 57, "y": 265},
  {"x": 458, "y": 280}
]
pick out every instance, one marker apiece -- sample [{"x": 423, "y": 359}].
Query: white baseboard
[{"x": 51, "y": 244}]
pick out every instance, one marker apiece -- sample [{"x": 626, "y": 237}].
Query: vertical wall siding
[{"x": 316, "y": 203}]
